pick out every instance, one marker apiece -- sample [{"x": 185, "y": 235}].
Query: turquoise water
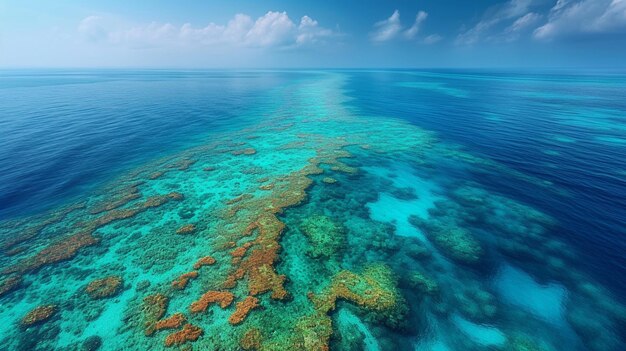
[{"x": 341, "y": 210}]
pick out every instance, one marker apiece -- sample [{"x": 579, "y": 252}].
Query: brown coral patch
[
  {"x": 153, "y": 308},
  {"x": 9, "y": 284},
  {"x": 105, "y": 287},
  {"x": 223, "y": 298},
  {"x": 118, "y": 201},
  {"x": 183, "y": 164},
  {"x": 251, "y": 340},
  {"x": 38, "y": 315},
  {"x": 267, "y": 186},
  {"x": 242, "y": 309},
  {"x": 56, "y": 252},
  {"x": 204, "y": 261},
  {"x": 189, "y": 333},
  {"x": 34, "y": 230},
  {"x": 186, "y": 229},
  {"x": 172, "y": 322},
  {"x": 181, "y": 282},
  {"x": 156, "y": 175},
  {"x": 239, "y": 198},
  {"x": 248, "y": 151}
]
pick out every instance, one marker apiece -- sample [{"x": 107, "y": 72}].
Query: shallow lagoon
[{"x": 311, "y": 223}]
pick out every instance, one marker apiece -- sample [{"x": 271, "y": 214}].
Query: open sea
[{"x": 312, "y": 210}]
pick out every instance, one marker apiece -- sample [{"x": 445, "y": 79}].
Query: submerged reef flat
[{"x": 314, "y": 229}]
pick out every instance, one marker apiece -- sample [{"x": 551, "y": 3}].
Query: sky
[{"x": 313, "y": 34}]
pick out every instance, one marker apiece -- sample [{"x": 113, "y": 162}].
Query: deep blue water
[
  {"x": 566, "y": 128},
  {"x": 64, "y": 132}
]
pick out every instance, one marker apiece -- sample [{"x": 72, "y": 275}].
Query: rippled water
[{"x": 440, "y": 210}]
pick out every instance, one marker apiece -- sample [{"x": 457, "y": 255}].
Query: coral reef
[
  {"x": 329, "y": 180},
  {"x": 374, "y": 289},
  {"x": 38, "y": 315},
  {"x": 425, "y": 285},
  {"x": 251, "y": 340},
  {"x": 186, "y": 229},
  {"x": 455, "y": 241},
  {"x": 181, "y": 282},
  {"x": 31, "y": 231},
  {"x": 326, "y": 236},
  {"x": 119, "y": 200},
  {"x": 9, "y": 284},
  {"x": 242, "y": 309},
  {"x": 172, "y": 322},
  {"x": 153, "y": 308},
  {"x": 92, "y": 343},
  {"x": 223, "y": 298},
  {"x": 204, "y": 261},
  {"x": 248, "y": 151},
  {"x": 55, "y": 252},
  {"x": 189, "y": 333},
  {"x": 104, "y": 287}
]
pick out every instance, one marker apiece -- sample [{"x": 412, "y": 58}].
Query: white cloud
[
  {"x": 521, "y": 25},
  {"x": 310, "y": 32},
  {"x": 274, "y": 29},
  {"x": 415, "y": 28},
  {"x": 387, "y": 29},
  {"x": 391, "y": 28},
  {"x": 495, "y": 17},
  {"x": 432, "y": 39},
  {"x": 569, "y": 17}
]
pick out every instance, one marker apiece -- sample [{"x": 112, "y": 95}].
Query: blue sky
[{"x": 340, "y": 33}]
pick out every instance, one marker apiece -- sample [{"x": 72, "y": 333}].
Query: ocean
[{"x": 312, "y": 210}]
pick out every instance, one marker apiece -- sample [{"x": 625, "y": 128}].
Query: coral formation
[
  {"x": 374, "y": 289},
  {"x": 189, "y": 333},
  {"x": 186, "y": 229},
  {"x": 242, "y": 309},
  {"x": 153, "y": 308},
  {"x": 329, "y": 180},
  {"x": 251, "y": 340},
  {"x": 9, "y": 284},
  {"x": 453, "y": 240},
  {"x": 248, "y": 151},
  {"x": 204, "y": 261},
  {"x": 425, "y": 285},
  {"x": 104, "y": 287},
  {"x": 223, "y": 298},
  {"x": 326, "y": 236},
  {"x": 38, "y": 315},
  {"x": 172, "y": 322},
  {"x": 182, "y": 281}
]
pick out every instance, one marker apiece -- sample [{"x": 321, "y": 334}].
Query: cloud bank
[
  {"x": 272, "y": 30},
  {"x": 392, "y": 28},
  {"x": 569, "y": 18}
]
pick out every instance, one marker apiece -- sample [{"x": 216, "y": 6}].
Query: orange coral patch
[
  {"x": 173, "y": 322},
  {"x": 204, "y": 261},
  {"x": 189, "y": 333},
  {"x": 243, "y": 308},
  {"x": 183, "y": 280},
  {"x": 223, "y": 298}
]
